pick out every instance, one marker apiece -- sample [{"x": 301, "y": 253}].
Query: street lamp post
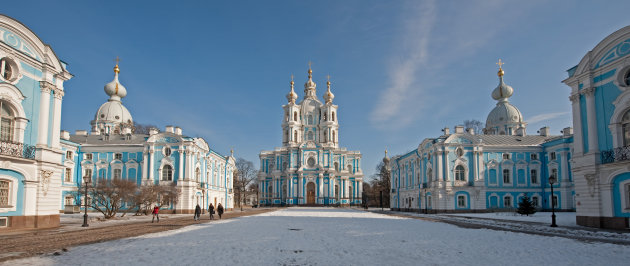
[
  {"x": 87, "y": 180},
  {"x": 552, "y": 179}
]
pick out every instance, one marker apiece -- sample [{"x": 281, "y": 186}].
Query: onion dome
[
  {"x": 114, "y": 89},
  {"x": 386, "y": 159},
  {"x": 328, "y": 96},
  {"x": 309, "y": 86},
  {"x": 292, "y": 96},
  {"x": 503, "y": 91},
  {"x": 505, "y": 118}
]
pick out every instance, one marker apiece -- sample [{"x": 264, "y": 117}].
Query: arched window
[
  {"x": 337, "y": 191},
  {"x": 6, "y": 122},
  {"x": 507, "y": 202},
  {"x": 337, "y": 166},
  {"x": 4, "y": 193},
  {"x": 167, "y": 173},
  {"x": 270, "y": 191},
  {"x": 310, "y": 119},
  {"x": 459, "y": 173},
  {"x": 625, "y": 123},
  {"x": 333, "y": 116},
  {"x": 8, "y": 69},
  {"x": 349, "y": 168},
  {"x": 460, "y": 152},
  {"x": 295, "y": 136},
  {"x": 333, "y": 137},
  {"x": 310, "y": 135},
  {"x": 198, "y": 174},
  {"x": 294, "y": 116},
  {"x": 117, "y": 173},
  {"x": 325, "y": 117},
  {"x": 325, "y": 136},
  {"x": 430, "y": 174}
]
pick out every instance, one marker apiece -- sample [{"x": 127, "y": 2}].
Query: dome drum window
[
  {"x": 8, "y": 70},
  {"x": 167, "y": 151}
]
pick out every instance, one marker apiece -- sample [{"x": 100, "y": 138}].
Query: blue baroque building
[
  {"x": 464, "y": 171},
  {"x": 600, "y": 97},
  {"x": 310, "y": 168}
]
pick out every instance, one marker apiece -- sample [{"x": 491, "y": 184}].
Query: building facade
[
  {"x": 111, "y": 150},
  {"x": 600, "y": 97},
  {"x": 31, "y": 92},
  {"x": 310, "y": 168},
  {"x": 467, "y": 172}
]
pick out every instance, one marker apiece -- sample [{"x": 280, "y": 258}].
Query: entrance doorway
[{"x": 310, "y": 193}]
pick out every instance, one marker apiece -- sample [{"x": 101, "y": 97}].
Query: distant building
[
  {"x": 310, "y": 168},
  {"x": 600, "y": 96},
  {"x": 462, "y": 171},
  {"x": 113, "y": 151}
]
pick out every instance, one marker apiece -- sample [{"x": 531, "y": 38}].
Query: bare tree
[
  {"x": 109, "y": 196},
  {"x": 142, "y": 128},
  {"x": 475, "y": 124},
  {"x": 253, "y": 190},
  {"x": 381, "y": 182},
  {"x": 245, "y": 174}
]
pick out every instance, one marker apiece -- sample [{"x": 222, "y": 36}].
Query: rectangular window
[
  {"x": 118, "y": 156},
  {"x": 534, "y": 175},
  {"x": 6, "y": 130},
  {"x": 554, "y": 174},
  {"x": 506, "y": 156},
  {"x": 554, "y": 200},
  {"x": 88, "y": 156},
  {"x": 507, "y": 202},
  {"x": 552, "y": 156},
  {"x": 69, "y": 201},
  {"x": 117, "y": 173},
  {"x": 4, "y": 193},
  {"x": 69, "y": 155},
  {"x": 461, "y": 201},
  {"x": 535, "y": 201},
  {"x": 506, "y": 176},
  {"x": 533, "y": 156},
  {"x": 68, "y": 177}
]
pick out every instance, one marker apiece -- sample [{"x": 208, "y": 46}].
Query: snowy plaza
[{"x": 333, "y": 236}]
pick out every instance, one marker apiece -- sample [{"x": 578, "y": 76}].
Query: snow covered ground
[
  {"x": 329, "y": 236},
  {"x": 562, "y": 218},
  {"x": 71, "y": 222}
]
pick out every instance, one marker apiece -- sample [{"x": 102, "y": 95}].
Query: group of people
[
  {"x": 156, "y": 211},
  {"x": 210, "y": 211}
]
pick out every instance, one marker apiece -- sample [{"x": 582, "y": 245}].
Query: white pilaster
[
  {"x": 145, "y": 165},
  {"x": 578, "y": 146},
  {"x": 180, "y": 171},
  {"x": 591, "y": 120},
  {"x": 56, "y": 126},
  {"x": 44, "y": 107},
  {"x": 152, "y": 170}
]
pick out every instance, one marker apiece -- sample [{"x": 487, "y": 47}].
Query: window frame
[
  {"x": 68, "y": 175},
  {"x": 508, "y": 176},
  {"x": 460, "y": 174},
  {"x": 533, "y": 176},
  {"x": 7, "y": 122},
  {"x": 508, "y": 199},
  {"x": 118, "y": 156},
  {"x": 166, "y": 173},
  {"x": 461, "y": 204}
]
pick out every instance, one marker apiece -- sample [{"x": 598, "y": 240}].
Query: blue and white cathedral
[
  {"x": 310, "y": 168},
  {"x": 462, "y": 171}
]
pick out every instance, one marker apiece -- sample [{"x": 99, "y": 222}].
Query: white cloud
[{"x": 543, "y": 117}]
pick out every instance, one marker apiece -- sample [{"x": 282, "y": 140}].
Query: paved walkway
[{"x": 25, "y": 243}]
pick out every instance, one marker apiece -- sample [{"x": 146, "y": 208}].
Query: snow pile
[{"x": 325, "y": 236}]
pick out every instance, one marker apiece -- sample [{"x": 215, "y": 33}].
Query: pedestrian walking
[
  {"x": 155, "y": 212},
  {"x": 211, "y": 211},
  {"x": 197, "y": 213},
  {"x": 220, "y": 210}
]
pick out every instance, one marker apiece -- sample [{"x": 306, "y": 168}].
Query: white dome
[
  {"x": 504, "y": 114},
  {"x": 503, "y": 91},
  {"x": 113, "y": 112}
]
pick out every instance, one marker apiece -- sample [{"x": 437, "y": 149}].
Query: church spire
[
  {"x": 328, "y": 96},
  {"x": 292, "y": 96},
  {"x": 309, "y": 86}
]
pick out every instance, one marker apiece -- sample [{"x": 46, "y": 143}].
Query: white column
[
  {"x": 564, "y": 168},
  {"x": 578, "y": 146},
  {"x": 446, "y": 167},
  {"x": 300, "y": 191},
  {"x": 44, "y": 110},
  {"x": 439, "y": 167},
  {"x": 56, "y": 127},
  {"x": 181, "y": 164},
  {"x": 475, "y": 166},
  {"x": 145, "y": 164},
  {"x": 151, "y": 170},
  {"x": 591, "y": 120}
]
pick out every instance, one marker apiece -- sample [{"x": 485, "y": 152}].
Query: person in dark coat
[
  {"x": 197, "y": 213},
  {"x": 220, "y": 210},
  {"x": 155, "y": 212},
  {"x": 211, "y": 211}
]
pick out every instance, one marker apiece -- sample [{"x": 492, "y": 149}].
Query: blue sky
[{"x": 400, "y": 70}]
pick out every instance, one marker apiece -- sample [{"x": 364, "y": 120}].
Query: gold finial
[
  {"x": 310, "y": 72},
  {"x": 500, "y": 63},
  {"x": 385, "y": 152},
  {"x": 232, "y": 152},
  {"x": 292, "y": 82},
  {"x": 328, "y": 82},
  {"x": 116, "y": 69}
]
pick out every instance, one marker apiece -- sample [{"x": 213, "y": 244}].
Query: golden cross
[
  {"x": 291, "y": 77},
  {"x": 328, "y": 77},
  {"x": 309, "y": 64},
  {"x": 117, "y": 60},
  {"x": 500, "y": 63}
]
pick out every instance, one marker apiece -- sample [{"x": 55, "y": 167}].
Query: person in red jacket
[{"x": 156, "y": 210}]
